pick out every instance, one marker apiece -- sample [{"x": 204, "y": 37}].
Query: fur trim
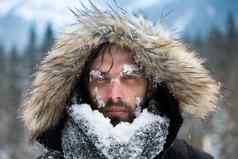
[{"x": 164, "y": 59}]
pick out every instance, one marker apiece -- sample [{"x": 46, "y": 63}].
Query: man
[{"x": 115, "y": 86}]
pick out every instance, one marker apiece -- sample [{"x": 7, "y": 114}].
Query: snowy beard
[
  {"x": 88, "y": 134},
  {"x": 120, "y": 103},
  {"x": 102, "y": 106}
]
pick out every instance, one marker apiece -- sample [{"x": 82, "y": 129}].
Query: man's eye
[
  {"x": 129, "y": 77},
  {"x": 97, "y": 76},
  {"x": 101, "y": 80}
]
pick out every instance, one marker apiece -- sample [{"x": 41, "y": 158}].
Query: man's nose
[{"x": 116, "y": 90}]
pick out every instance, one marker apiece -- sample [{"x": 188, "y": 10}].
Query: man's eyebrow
[
  {"x": 131, "y": 69},
  {"x": 98, "y": 72}
]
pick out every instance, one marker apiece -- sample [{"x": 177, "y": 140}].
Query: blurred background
[{"x": 29, "y": 28}]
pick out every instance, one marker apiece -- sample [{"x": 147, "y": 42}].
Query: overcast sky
[
  {"x": 58, "y": 11},
  {"x": 188, "y": 15}
]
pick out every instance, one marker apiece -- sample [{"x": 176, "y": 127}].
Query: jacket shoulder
[
  {"x": 51, "y": 155},
  {"x": 182, "y": 150}
]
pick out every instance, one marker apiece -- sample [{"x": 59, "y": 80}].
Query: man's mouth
[{"x": 117, "y": 111}]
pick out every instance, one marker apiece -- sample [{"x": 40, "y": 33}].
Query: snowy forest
[
  {"x": 218, "y": 134},
  {"x": 16, "y": 72}
]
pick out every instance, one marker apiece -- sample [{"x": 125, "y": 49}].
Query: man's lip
[{"x": 116, "y": 109}]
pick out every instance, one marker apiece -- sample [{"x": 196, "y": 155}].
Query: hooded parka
[{"x": 186, "y": 85}]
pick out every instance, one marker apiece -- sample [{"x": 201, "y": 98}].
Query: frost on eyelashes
[
  {"x": 129, "y": 69},
  {"x": 95, "y": 74}
]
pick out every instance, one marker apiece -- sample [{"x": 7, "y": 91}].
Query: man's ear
[
  {"x": 76, "y": 98},
  {"x": 161, "y": 100}
]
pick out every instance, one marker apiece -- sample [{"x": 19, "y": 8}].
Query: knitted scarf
[{"x": 89, "y": 135}]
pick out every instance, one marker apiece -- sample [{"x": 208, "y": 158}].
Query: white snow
[
  {"x": 125, "y": 140},
  {"x": 138, "y": 106},
  {"x": 99, "y": 99},
  {"x": 129, "y": 69},
  {"x": 95, "y": 74},
  {"x": 105, "y": 130}
]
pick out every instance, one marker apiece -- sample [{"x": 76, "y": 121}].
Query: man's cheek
[{"x": 97, "y": 98}]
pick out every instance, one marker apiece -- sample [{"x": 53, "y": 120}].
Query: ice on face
[
  {"x": 129, "y": 69},
  {"x": 99, "y": 99},
  {"x": 138, "y": 106},
  {"x": 95, "y": 74}
]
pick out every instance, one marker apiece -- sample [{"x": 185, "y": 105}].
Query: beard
[{"x": 127, "y": 111}]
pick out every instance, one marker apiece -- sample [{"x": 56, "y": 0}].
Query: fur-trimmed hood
[{"x": 163, "y": 57}]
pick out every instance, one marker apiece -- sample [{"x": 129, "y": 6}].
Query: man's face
[{"x": 116, "y": 85}]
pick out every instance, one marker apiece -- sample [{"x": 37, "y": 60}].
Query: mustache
[{"x": 120, "y": 103}]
